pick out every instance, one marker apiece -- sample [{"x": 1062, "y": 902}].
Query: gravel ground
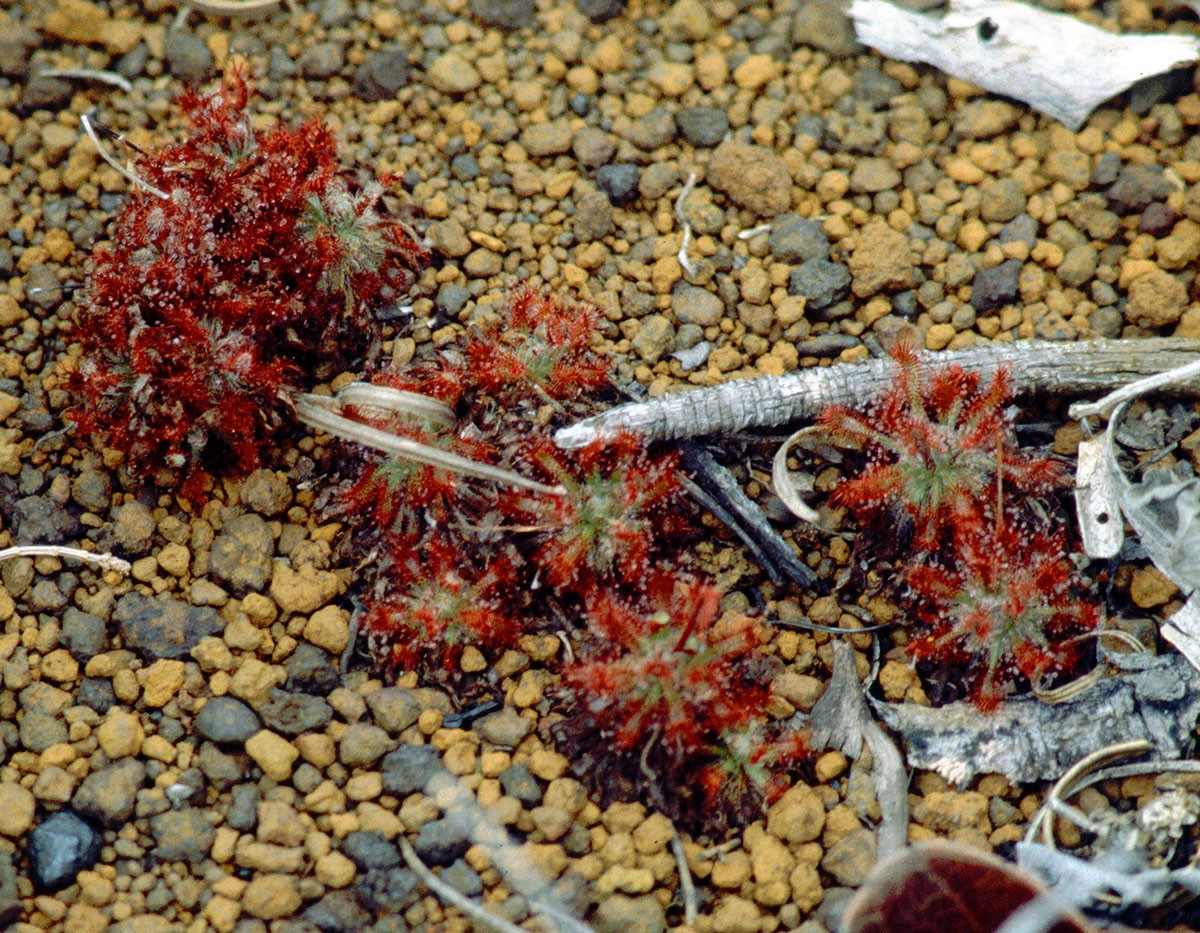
[{"x": 229, "y": 775}]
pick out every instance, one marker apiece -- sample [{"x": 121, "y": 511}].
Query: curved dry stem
[
  {"x": 103, "y": 561},
  {"x": 317, "y": 411}
]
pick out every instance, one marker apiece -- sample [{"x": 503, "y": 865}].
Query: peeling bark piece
[
  {"x": 1048, "y": 60},
  {"x": 1156, "y": 698},
  {"x": 1033, "y": 365}
]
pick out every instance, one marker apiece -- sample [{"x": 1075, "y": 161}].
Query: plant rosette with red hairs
[
  {"x": 242, "y": 266},
  {"x": 988, "y": 585}
]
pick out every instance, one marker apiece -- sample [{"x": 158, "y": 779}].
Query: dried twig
[
  {"x": 111, "y": 160},
  {"x": 769, "y": 401},
  {"x": 688, "y": 266},
  {"x": 686, "y": 885},
  {"x": 103, "y": 561},
  {"x": 451, "y": 895},
  {"x": 318, "y": 411},
  {"x": 88, "y": 74}
]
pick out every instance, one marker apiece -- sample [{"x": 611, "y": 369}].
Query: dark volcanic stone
[
  {"x": 1137, "y": 187},
  {"x": 221, "y": 769},
  {"x": 97, "y": 693},
  {"x": 311, "y": 670},
  {"x": 702, "y": 126},
  {"x": 187, "y": 55},
  {"x": 382, "y": 75},
  {"x": 996, "y": 287},
  {"x": 241, "y": 554},
  {"x": 83, "y": 634},
  {"x": 619, "y": 182},
  {"x": 370, "y": 850},
  {"x": 182, "y": 835},
  {"x": 338, "y": 912},
  {"x": 600, "y": 11},
  {"x": 1157, "y": 219},
  {"x": 442, "y": 841},
  {"x": 293, "y": 713},
  {"x": 1021, "y": 229},
  {"x": 41, "y": 520},
  {"x": 109, "y": 795},
  {"x": 518, "y": 781},
  {"x": 45, "y": 94},
  {"x": 227, "y": 719},
  {"x": 464, "y": 878},
  {"x": 409, "y": 768},
  {"x": 163, "y": 627},
  {"x": 823, "y": 282},
  {"x": 60, "y": 848},
  {"x": 389, "y": 890},
  {"x": 504, "y": 14},
  {"x": 795, "y": 239},
  {"x": 10, "y": 897},
  {"x": 243, "y": 807}
]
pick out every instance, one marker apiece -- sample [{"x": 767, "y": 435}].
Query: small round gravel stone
[
  {"x": 619, "y": 182},
  {"x": 409, "y": 768},
  {"x": 228, "y": 720},
  {"x": 996, "y": 287},
  {"x": 703, "y": 126}
]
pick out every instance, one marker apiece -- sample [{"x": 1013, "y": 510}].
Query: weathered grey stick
[{"x": 1035, "y": 366}]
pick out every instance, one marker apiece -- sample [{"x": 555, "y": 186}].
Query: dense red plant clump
[
  {"x": 265, "y": 260},
  {"x": 661, "y": 685},
  {"x": 989, "y": 585}
]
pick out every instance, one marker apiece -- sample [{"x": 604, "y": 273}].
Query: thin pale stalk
[
  {"x": 111, "y": 160},
  {"x": 88, "y": 74},
  {"x": 315, "y": 411},
  {"x": 103, "y": 561},
  {"x": 1034, "y": 366}
]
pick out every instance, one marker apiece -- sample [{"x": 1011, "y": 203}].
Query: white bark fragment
[{"x": 1054, "y": 62}]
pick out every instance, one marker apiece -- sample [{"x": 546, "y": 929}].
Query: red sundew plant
[
  {"x": 674, "y": 692},
  {"x": 264, "y": 263},
  {"x": 942, "y": 456},
  {"x": 543, "y": 347},
  {"x": 615, "y": 512},
  {"x": 1010, "y": 608}
]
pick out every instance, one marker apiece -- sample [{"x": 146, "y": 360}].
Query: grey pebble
[
  {"x": 654, "y": 338},
  {"x": 593, "y": 217},
  {"x": 311, "y": 670},
  {"x": 619, "y": 182},
  {"x": 242, "y": 814},
  {"x": 382, "y": 75},
  {"x": 653, "y": 131},
  {"x": 83, "y": 634},
  {"x": 823, "y": 282},
  {"x": 389, "y": 890},
  {"x": 291, "y": 713},
  {"x": 227, "y": 720},
  {"x": 18, "y": 41},
  {"x": 41, "y": 520},
  {"x": 702, "y": 126},
  {"x": 518, "y": 781},
  {"x": 440, "y": 842},
  {"x": 92, "y": 490},
  {"x": 241, "y": 554},
  {"x": 39, "y": 730},
  {"x": 1021, "y": 229},
  {"x": 504, "y": 728},
  {"x": 504, "y": 14},
  {"x": 1137, "y": 187},
  {"x": 110, "y": 794},
  {"x": 370, "y": 850},
  {"x": 409, "y": 768},
  {"x": 97, "y": 694},
  {"x": 692, "y": 304},
  {"x": 45, "y": 94},
  {"x": 222, "y": 769},
  {"x": 795, "y": 239},
  {"x": 322, "y": 61},
  {"x": 393, "y": 708},
  {"x": 996, "y": 287},
  {"x": 593, "y": 147},
  {"x": 363, "y": 744},
  {"x": 266, "y": 493},
  {"x": 826, "y": 345},
  {"x": 60, "y": 847},
  {"x": 183, "y": 835},
  {"x": 451, "y": 298},
  {"x": 600, "y": 11},
  {"x": 187, "y": 55},
  {"x": 338, "y": 912},
  {"x": 164, "y": 627}
]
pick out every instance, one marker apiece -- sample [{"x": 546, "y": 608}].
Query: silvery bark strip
[{"x": 1035, "y": 366}]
